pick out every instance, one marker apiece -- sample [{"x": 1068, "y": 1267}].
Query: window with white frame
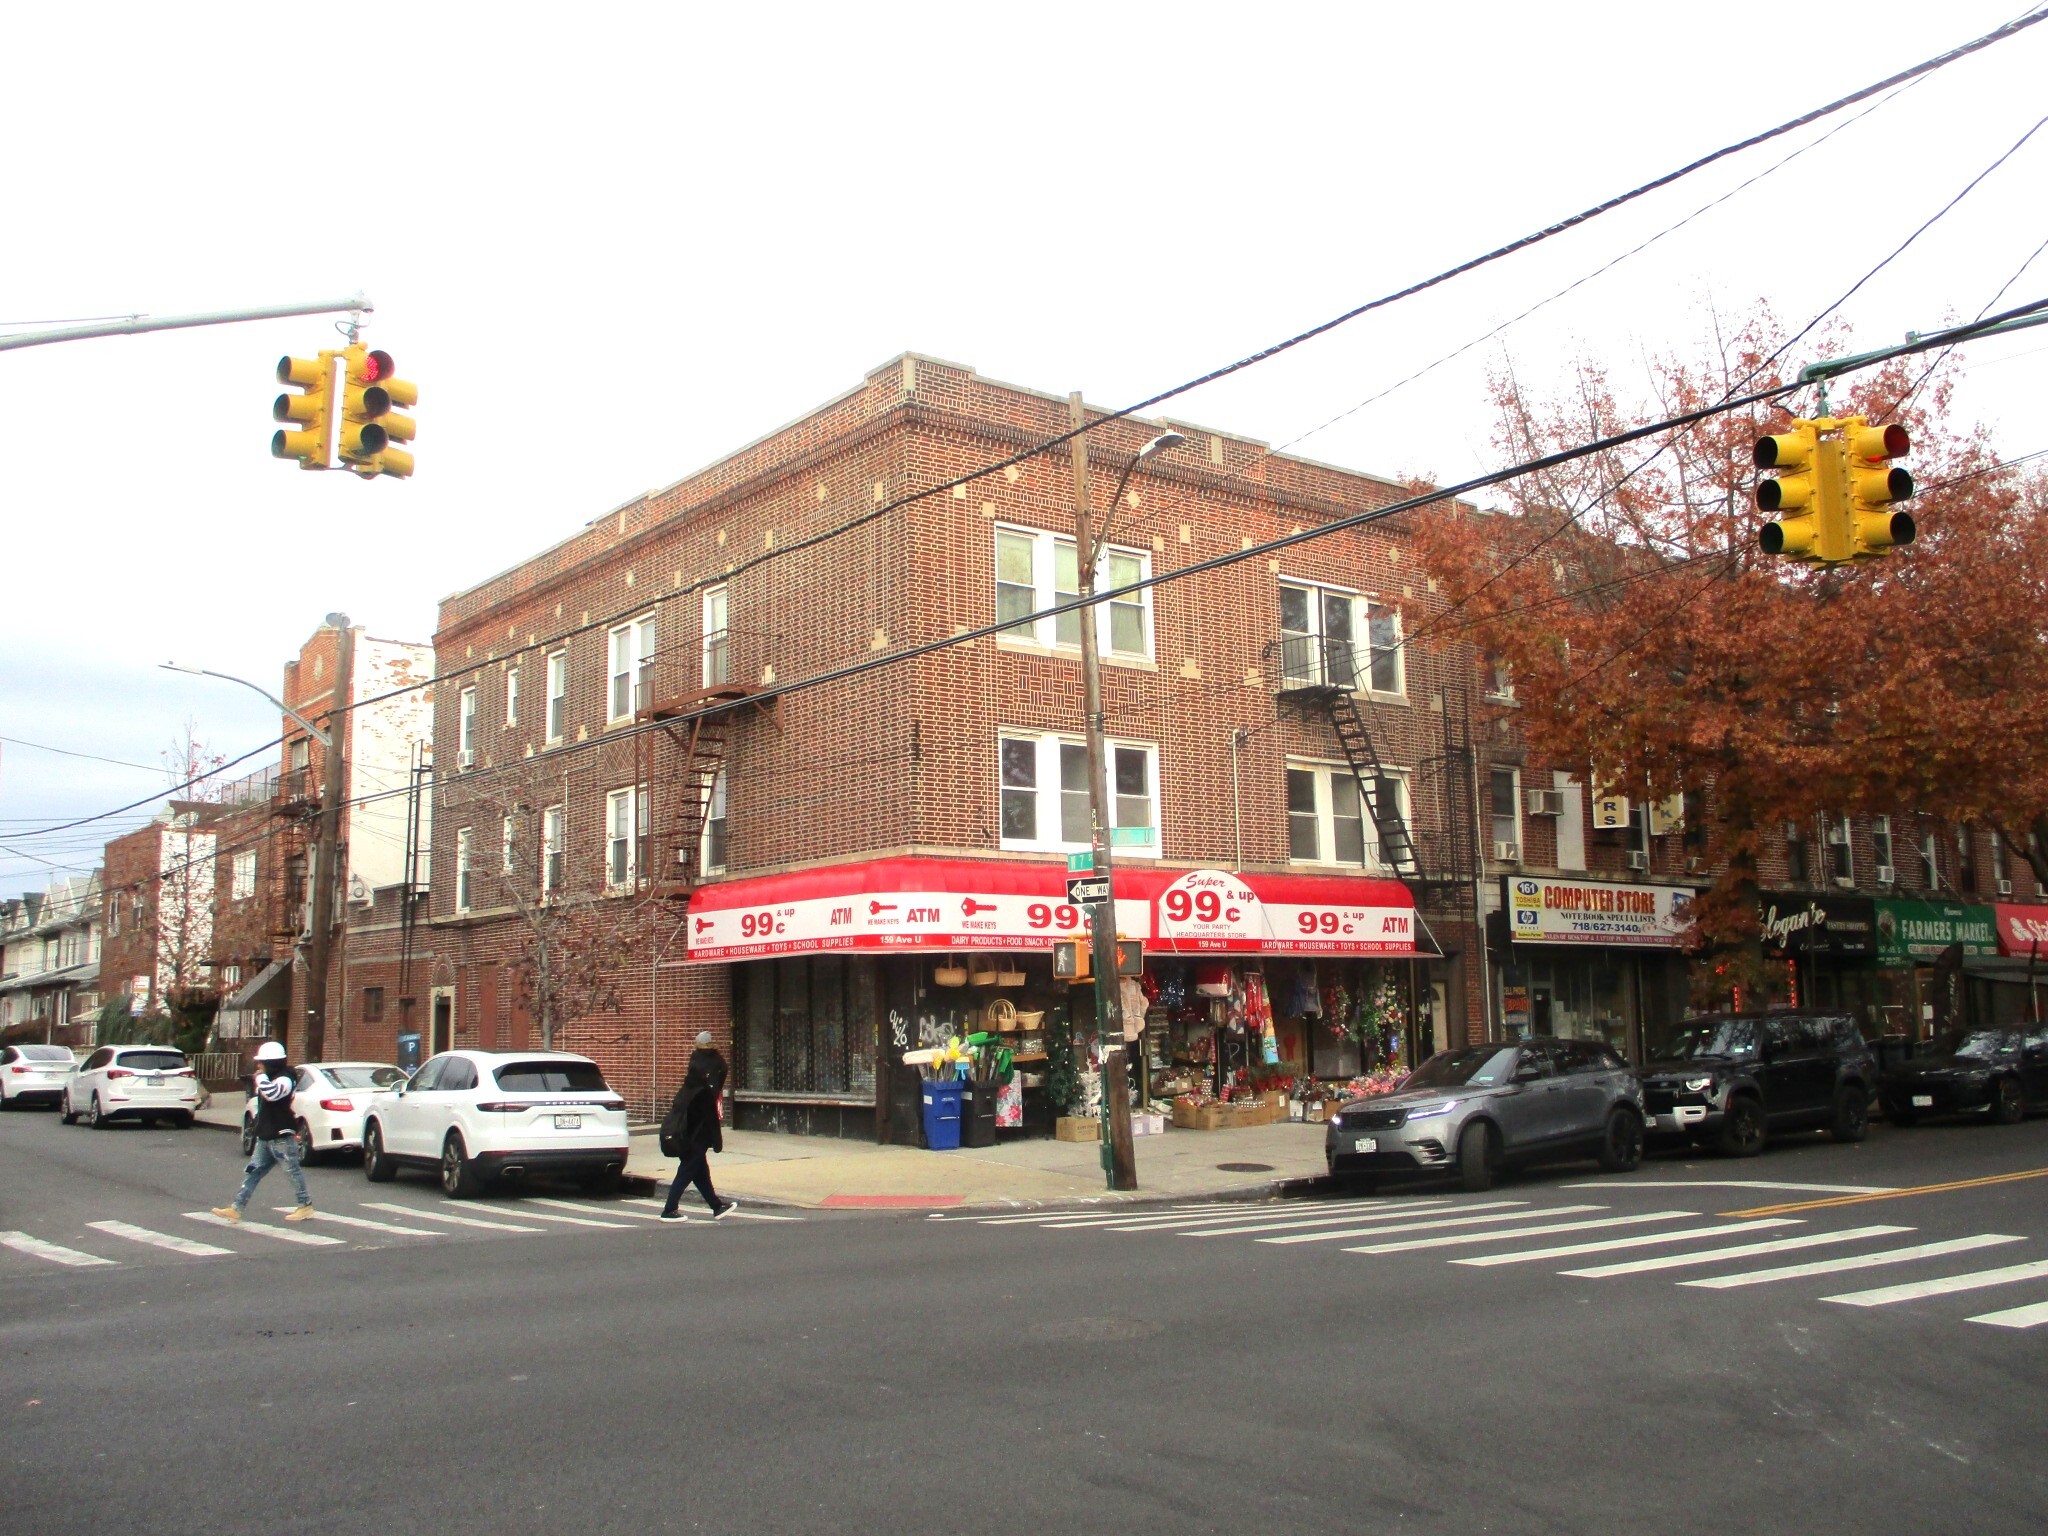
[
  {"x": 465, "y": 740},
  {"x": 1326, "y": 820},
  {"x": 1506, "y": 787},
  {"x": 512, "y": 695},
  {"x": 714, "y": 825},
  {"x": 1318, "y": 636},
  {"x": 620, "y": 861},
  {"x": 462, "y": 870},
  {"x": 1036, "y": 569},
  {"x": 632, "y": 654},
  {"x": 2000, "y": 873},
  {"x": 551, "y": 825},
  {"x": 1500, "y": 682},
  {"x": 1841, "y": 857},
  {"x": 1930, "y": 859},
  {"x": 1044, "y": 793},
  {"x": 1966, "y": 861},
  {"x": 1881, "y": 846},
  {"x": 1385, "y": 671},
  {"x": 558, "y": 695},
  {"x": 242, "y": 879},
  {"x": 717, "y": 637},
  {"x": 508, "y": 859}
]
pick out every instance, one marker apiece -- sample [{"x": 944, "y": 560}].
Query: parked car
[
  {"x": 478, "y": 1116},
  {"x": 329, "y": 1101},
  {"x": 1478, "y": 1109},
  {"x": 34, "y": 1074},
  {"x": 1736, "y": 1080},
  {"x": 2001, "y": 1071},
  {"x": 150, "y": 1083}
]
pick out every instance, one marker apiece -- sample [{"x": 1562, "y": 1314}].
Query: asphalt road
[{"x": 1178, "y": 1370}]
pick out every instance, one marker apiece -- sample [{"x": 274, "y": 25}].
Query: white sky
[{"x": 613, "y": 243}]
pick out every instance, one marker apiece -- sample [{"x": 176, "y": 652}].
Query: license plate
[
  {"x": 153, "y": 1082},
  {"x": 568, "y": 1122},
  {"x": 1366, "y": 1144},
  {"x": 1923, "y": 1101}
]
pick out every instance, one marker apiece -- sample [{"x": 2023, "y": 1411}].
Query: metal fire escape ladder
[
  {"x": 703, "y": 741},
  {"x": 1397, "y": 846}
]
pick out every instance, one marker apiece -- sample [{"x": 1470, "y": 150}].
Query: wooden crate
[{"x": 1075, "y": 1128}]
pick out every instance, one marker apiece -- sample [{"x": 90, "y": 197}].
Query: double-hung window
[
  {"x": 508, "y": 859},
  {"x": 1966, "y": 861},
  {"x": 462, "y": 892},
  {"x": 1881, "y": 848},
  {"x": 1319, "y": 630},
  {"x": 1506, "y": 786},
  {"x": 512, "y": 695},
  {"x": 558, "y": 695},
  {"x": 244, "y": 877},
  {"x": 1797, "y": 869},
  {"x": 717, "y": 637},
  {"x": 632, "y": 654},
  {"x": 1326, "y": 820},
  {"x": 1930, "y": 859},
  {"x": 465, "y": 740},
  {"x": 714, "y": 825},
  {"x": 551, "y": 850},
  {"x": 1044, "y": 794},
  {"x": 1841, "y": 857},
  {"x": 2001, "y": 872},
  {"x": 1036, "y": 570},
  {"x": 621, "y": 828}
]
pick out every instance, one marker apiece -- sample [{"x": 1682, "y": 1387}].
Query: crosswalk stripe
[
  {"x": 374, "y": 1226},
  {"x": 571, "y": 1205},
  {"x": 1101, "y": 1212},
  {"x": 1978, "y": 1280},
  {"x": 1742, "y": 1251},
  {"x": 2031, "y": 1316},
  {"x": 35, "y": 1247},
  {"x": 573, "y": 1221},
  {"x": 1436, "y": 1220},
  {"x": 1167, "y": 1222},
  {"x": 736, "y": 1215},
  {"x": 1390, "y": 1213},
  {"x": 309, "y": 1239},
  {"x": 459, "y": 1221},
  {"x": 1853, "y": 1261},
  {"x": 1608, "y": 1244},
  {"x": 1505, "y": 1235},
  {"x": 161, "y": 1240}
]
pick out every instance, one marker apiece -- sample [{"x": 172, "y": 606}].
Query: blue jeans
[
  {"x": 282, "y": 1149},
  {"x": 695, "y": 1168}
]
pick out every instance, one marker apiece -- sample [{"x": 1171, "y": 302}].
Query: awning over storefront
[
  {"x": 1918, "y": 931},
  {"x": 913, "y": 905},
  {"x": 270, "y": 987},
  {"x": 2021, "y": 930},
  {"x": 1595, "y": 912}
]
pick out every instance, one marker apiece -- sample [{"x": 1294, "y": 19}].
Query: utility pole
[{"x": 327, "y": 848}]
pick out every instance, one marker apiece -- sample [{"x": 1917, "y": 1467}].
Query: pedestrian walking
[
  {"x": 705, "y": 1059},
  {"x": 276, "y": 1141},
  {"x": 691, "y": 1133}
]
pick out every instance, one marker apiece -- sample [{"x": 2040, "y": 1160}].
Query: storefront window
[{"x": 806, "y": 1026}]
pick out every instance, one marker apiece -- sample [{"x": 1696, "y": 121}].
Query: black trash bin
[{"x": 978, "y": 1120}]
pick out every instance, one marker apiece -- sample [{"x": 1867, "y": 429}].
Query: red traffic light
[
  {"x": 378, "y": 365},
  {"x": 1896, "y": 443}
]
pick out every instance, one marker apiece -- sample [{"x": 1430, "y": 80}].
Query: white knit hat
[{"x": 703, "y": 1037}]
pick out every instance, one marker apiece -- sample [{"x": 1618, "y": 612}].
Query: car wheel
[
  {"x": 1852, "y": 1114},
  {"x": 1475, "y": 1158},
  {"x": 97, "y": 1117},
  {"x": 1742, "y": 1129},
  {"x": 459, "y": 1178},
  {"x": 1621, "y": 1149},
  {"x": 305, "y": 1135},
  {"x": 2008, "y": 1104},
  {"x": 377, "y": 1167},
  {"x": 64, "y": 1108},
  {"x": 248, "y": 1138}
]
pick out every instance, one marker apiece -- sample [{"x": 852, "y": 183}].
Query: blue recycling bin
[{"x": 942, "y": 1114}]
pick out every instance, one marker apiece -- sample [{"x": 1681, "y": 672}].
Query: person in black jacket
[
  {"x": 705, "y": 1059},
  {"x": 273, "y": 1087},
  {"x": 691, "y": 1133}
]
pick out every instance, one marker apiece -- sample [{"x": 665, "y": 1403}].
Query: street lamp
[
  {"x": 1119, "y": 1161},
  {"x": 326, "y": 742}
]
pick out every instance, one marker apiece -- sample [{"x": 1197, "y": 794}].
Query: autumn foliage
[{"x": 1653, "y": 645}]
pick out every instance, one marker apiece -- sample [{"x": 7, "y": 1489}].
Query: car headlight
[
  {"x": 1424, "y": 1111},
  {"x": 1697, "y": 1084}
]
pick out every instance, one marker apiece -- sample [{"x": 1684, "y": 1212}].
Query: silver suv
[{"x": 1480, "y": 1108}]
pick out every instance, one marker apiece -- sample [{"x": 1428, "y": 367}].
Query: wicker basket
[
  {"x": 949, "y": 975},
  {"x": 1001, "y": 1016},
  {"x": 1030, "y": 1020},
  {"x": 1010, "y": 978},
  {"x": 982, "y": 973}
]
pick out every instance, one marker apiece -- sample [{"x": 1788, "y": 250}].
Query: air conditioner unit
[
  {"x": 1543, "y": 802},
  {"x": 1846, "y": 882},
  {"x": 465, "y": 760},
  {"x": 1886, "y": 875},
  {"x": 1638, "y": 859},
  {"x": 1507, "y": 853},
  {"x": 2005, "y": 887}
]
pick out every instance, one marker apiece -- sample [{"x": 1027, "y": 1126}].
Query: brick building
[{"x": 50, "y": 961}]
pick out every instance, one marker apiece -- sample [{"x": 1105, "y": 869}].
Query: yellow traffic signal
[
  {"x": 1796, "y": 496},
  {"x": 1874, "y": 484},
  {"x": 311, "y": 412},
  {"x": 369, "y": 424}
]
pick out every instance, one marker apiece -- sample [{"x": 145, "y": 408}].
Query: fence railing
[{"x": 218, "y": 1068}]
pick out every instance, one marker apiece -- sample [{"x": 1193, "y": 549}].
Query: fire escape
[
  {"x": 696, "y": 712},
  {"x": 1320, "y": 678}
]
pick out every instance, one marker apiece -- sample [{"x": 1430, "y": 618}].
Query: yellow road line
[{"x": 1890, "y": 1194}]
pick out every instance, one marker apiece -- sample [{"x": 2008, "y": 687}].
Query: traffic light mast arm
[
  {"x": 136, "y": 325},
  {"x": 2025, "y": 317}
]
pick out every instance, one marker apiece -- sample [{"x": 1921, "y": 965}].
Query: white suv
[
  {"x": 34, "y": 1074},
  {"x": 330, "y": 1101},
  {"x": 482, "y": 1115},
  {"x": 132, "y": 1082}
]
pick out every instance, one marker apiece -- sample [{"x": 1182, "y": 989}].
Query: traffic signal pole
[{"x": 136, "y": 325}]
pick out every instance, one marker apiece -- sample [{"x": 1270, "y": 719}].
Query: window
[
  {"x": 458, "y": 1075},
  {"x": 230, "y": 977},
  {"x": 1326, "y": 820},
  {"x": 1044, "y": 794},
  {"x": 806, "y": 1025},
  {"x": 1500, "y": 683},
  {"x": 1930, "y": 860},
  {"x": 512, "y": 695},
  {"x": 465, "y": 740},
  {"x": 1393, "y": 846},
  {"x": 1966, "y": 861},
  {"x": 632, "y": 653},
  {"x": 242, "y": 883},
  {"x": 1797, "y": 869},
  {"x": 619, "y": 861},
  {"x": 550, "y": 1077},
  {"x": 1881, "y": 843},
  {"x": 1383, "y": 635},
  {"x": 550, "y": 849},
  {"x": 714, "y": 825},
  {"x": 1316, "y": 636},
  {"x": 507, "y": 862},
  {"x": 1507, "y": 809},
  {"x": 558, "y": 695},
  {"x": 1037, "y": 569},
  {"x": 717, "y": 638},
  {"x": 373, "y": 1006},
  {"x": 2000, "y": 873},
  {"x": 462, "y": 870},
  {"x": 1841, "y": 857}
]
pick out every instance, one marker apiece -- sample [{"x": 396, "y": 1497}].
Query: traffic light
[
  {"x": 311, "y": 411},
  {"x": 369, "y": 424},
  {"x": 1874, "y": 484},
  {"x": 1072, "y": 960},
  {"x": 1795, "y": 496}
]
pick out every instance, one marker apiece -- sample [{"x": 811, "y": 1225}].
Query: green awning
[{"x": 1916, "y": 932}]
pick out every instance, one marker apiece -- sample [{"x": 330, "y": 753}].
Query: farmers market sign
[{"x": 1920, "y": 930}]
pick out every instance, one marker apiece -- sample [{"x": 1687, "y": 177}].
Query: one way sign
[{"x": 1087, "y": 890}]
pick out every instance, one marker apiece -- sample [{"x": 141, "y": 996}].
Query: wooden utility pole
[
  {"x": 1119, "y": 1160},
  {"x": 327, "y": 847}
]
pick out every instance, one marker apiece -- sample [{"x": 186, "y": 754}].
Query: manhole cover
[
  {"x": 1094, "y": 1330},
  {"x": 1244, "y": 1167}
]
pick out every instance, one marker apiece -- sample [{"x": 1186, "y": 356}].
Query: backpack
[{"x": 672, "y": 1135}]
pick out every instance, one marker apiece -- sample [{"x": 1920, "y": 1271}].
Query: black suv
[
  {"x": 2003, "y": 1071},
  {"x": 1734, "y": 1080}
]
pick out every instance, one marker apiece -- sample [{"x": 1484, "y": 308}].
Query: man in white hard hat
[{"x": 276, "y": 1140}]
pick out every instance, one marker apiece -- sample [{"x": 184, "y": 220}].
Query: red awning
[
  {"x": 919, "y": 905},
  {"x": 2021, "y": 929}
]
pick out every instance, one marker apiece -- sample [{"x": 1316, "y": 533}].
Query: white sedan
[
  {"x": 477, "y": 1116},
  {"x": 329, "y": 1101}
]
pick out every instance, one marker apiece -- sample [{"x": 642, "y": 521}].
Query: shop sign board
[
  {"x": 1211, "y": 911},
  {"x": 896, "y": 920},
  {"x": 1910, "y": 931},
  {"x": 2022, "y": 930},
  {"x": 1794, "y": 923},
  {"x": 1544, "y": 911},
  {"x": 1610, "y": 812}
]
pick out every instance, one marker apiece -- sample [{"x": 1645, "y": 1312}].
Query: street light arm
[
  {"x": 1101, "y": 539},
  {"x": 326, "y": 741}
]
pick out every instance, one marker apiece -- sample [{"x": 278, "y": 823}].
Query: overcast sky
[{"x": 613, "y": 243}]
